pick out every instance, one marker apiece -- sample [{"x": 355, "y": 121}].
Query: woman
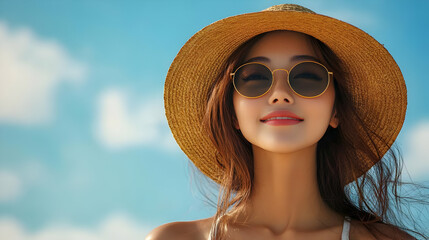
[{"x": 284, "y": 108}]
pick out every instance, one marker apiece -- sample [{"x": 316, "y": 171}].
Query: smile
[{"x": 281, "y": 118}]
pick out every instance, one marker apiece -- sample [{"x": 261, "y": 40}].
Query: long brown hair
[{"x": 371, "y": 198}]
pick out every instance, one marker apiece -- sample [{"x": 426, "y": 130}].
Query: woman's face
[{"x": 282, "y": 50}]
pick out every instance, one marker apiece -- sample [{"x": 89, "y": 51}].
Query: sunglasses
[{"x": 307, "y": 79}]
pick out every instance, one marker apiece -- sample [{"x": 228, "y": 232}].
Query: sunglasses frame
[{"x": 330, "y": 75}]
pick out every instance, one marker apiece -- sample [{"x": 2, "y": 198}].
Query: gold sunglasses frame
[{"x": 330, "y": 75}]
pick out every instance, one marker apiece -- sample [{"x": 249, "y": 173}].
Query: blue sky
[{"x": 85, "y": 150}]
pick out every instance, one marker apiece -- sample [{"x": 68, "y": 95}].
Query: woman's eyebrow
[{"x": 294, "y": 58}]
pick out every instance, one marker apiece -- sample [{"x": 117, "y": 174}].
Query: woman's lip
[
  {"x": 281, "y": 113},
  {"x": 279, "y": 122}
]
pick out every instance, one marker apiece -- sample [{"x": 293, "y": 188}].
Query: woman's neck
[{"x": 285, "y": 194}]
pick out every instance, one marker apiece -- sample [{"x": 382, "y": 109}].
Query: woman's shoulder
[
  {"x": 199, "y": 230},
  {"x": 190, "y": 230},
  {"x": 377, "y": 231}
]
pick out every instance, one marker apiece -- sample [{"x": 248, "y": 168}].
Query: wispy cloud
[
  {"x": 114, "y": 227},
  {"x": 10, "y": 186},
  {"x": 31, "y": 68},
  {"x": 417, "y": 155},
  {"x": 14, "y": 182},
  {"x": 124, "y": 123}
]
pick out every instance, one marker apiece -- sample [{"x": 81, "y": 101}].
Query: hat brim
[{"x": 375, "y": 81}]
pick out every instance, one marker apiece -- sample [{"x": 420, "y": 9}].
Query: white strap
[{"x": 346, "y": 228}]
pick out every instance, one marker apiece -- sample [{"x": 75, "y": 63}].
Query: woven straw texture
[{"x": 375, "y": 80}]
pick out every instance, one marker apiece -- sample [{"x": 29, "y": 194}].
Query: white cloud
[
  {"x": 122, "y": 123},
  {"x": 11, "y": 228},
  {"x": 416, "y": 157},
  {"x": 10, "y": 186},
  {"x": 114, "y": 227},
  {"x": 31, "y": 68}
]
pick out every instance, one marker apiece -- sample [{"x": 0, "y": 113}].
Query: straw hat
[{"x": 375, "y": 81}]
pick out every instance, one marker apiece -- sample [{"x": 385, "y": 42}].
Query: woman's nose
[{"x": 280, "y": 91}]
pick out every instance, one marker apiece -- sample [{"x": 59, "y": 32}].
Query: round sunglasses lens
[
  {"x": 252, "y": 80},
  {"x": 309, "y": 79}
]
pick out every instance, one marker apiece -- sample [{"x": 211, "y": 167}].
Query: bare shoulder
[
  {"x": 377, "y": 231},
  {"x": 190, "y": 230}
]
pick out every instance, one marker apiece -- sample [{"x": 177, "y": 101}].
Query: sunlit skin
[{"x": 285, "y": 198}]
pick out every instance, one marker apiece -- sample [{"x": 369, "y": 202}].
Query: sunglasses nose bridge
[
  {"x": 281, "y": 83},
  {"x": 281, "y": 69}
]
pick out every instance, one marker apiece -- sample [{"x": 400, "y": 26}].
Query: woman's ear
[{"x": 334, "y": 120}]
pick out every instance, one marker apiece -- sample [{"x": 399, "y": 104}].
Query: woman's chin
[{"x": 285, "y": 147}]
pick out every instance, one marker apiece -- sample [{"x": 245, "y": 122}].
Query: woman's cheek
[{"x": 320, "y": 118}]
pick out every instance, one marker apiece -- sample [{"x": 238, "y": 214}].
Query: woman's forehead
[{"x": 281, "y": 46}]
